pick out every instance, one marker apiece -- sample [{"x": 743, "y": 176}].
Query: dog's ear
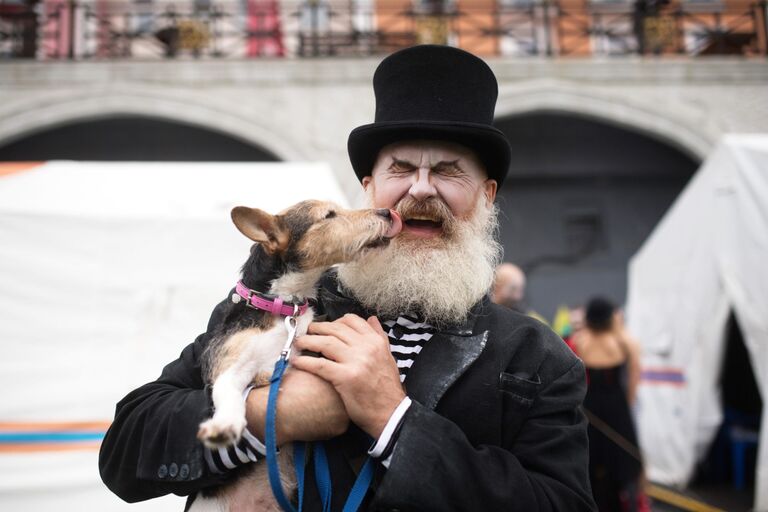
[{"x": 259, "y": 226}]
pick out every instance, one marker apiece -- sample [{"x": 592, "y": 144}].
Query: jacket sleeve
[
  {"x": 543, "y": 467},
  {"x": 151, "y": 448}
]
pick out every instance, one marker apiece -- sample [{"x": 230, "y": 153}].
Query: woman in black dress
[{"x": 613, "y": 370}]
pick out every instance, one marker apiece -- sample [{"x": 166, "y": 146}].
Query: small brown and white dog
[{"x": 291, "y": 252}]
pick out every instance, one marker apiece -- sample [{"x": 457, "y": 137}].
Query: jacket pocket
[{"x": 521, "y": 389}]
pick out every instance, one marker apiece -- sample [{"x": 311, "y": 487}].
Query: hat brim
[{"x": 489, "y": 143}]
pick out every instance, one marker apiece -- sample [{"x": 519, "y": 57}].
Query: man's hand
[
  {"x": 308, "y": 409},
  {"x": 358, "y": 362}
]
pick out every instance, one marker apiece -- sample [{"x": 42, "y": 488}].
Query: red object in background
[
  {"x": 58, "y": 16},
  {"x": 265, "y": 35},
  {"x": 569, "y": 341},
  {"x": 103, "y": 31}
]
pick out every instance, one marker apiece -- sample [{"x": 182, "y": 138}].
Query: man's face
[
  {"x": 443, "y": 260},
  {"x": 416, "y": 171}
]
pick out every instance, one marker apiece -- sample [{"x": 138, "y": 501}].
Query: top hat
[{"x": 436, "y": 93}]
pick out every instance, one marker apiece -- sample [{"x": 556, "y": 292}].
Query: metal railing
[{"x": 147, "y": 29}]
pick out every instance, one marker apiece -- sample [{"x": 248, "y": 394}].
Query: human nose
[{"x": 422, "y": 186}]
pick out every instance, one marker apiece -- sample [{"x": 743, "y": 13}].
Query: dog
[{"x": 291, "y": 252}]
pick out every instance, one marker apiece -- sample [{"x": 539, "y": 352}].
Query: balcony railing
[{"x": 147, "y": 29}]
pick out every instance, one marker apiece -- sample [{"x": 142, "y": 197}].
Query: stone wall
[{"x": 304, "y": 109}]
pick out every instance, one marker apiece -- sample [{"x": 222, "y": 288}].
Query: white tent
[
  {"x": 107, "y": 270},
  {"x": 707, "y": 257}
]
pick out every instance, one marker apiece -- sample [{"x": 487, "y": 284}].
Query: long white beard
[{"x": 439, "y": 282}]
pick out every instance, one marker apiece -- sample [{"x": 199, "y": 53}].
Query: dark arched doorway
[
  {"x": 132, "y": 138},
  {"x": 581, "y": 197}
]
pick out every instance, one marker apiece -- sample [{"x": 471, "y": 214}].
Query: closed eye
[
  {"x": 448, "y": 168},
  {"x": 331, "y": 214},
  {"x": 401, "y": 166}
]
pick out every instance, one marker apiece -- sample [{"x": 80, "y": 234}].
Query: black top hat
[{"x": 437, "y": 93}]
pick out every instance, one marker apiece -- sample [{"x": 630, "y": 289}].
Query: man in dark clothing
[{"x": 470, "y": 406}]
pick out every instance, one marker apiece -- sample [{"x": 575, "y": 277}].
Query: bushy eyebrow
[
  {"x": 447, "y": 165},
  {"x": 403, "y": 162},
  {"x": 443, "y": 165}
]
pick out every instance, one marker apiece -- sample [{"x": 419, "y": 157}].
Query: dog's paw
[{"x": 220, "y": 433}]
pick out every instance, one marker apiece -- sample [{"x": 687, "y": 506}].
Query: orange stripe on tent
[
  {"x": 36, "y": 447},
  {"x": 50, "y": 426},
  {"x": 7, "y": 168}
]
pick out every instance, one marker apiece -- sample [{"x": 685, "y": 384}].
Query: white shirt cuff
[{"x": 386, "y": 435}]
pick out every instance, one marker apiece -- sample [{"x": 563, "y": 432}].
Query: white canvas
[
  {"x": 708, "y": 256},
  {"x": 107, "y": 270}
]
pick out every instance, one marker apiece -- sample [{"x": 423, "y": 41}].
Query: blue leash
[
  {"x": 299, "y": 461},
  {"x": 322, "y": 475},
  {"x": 271, "y": 444},
  {"x": 323, "y": 478},
  {"x": 322, "y": 470},
  {"x": 362, "y": 483}
]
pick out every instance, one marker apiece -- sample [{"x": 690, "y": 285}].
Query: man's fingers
[
  {"x": 329, "y": 346},
  {"x": 347, "y": 328},
  {"x": 341, "y": 330},
  {"x": 355, "y": 322},
  {"x": 323, "y": 368},
  {"x": 376, "y": 325}
]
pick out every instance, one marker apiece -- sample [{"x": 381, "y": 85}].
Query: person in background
[
  {"x": 509, "y": 287},
  {"x": 575, "y": 324},
  {"x": 612, "y": 360},
  {"x": 576, "y": 319},
  {"x": 509, "y": 290}
]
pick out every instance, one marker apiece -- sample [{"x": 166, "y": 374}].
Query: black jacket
[{"x": 495, "y": 424}]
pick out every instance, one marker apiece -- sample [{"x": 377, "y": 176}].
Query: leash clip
[{"x": 290, "y": 325}]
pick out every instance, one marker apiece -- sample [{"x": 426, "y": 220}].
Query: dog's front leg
[{"x": 228, "y": 421}]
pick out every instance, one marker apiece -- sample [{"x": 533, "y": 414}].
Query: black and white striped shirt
[
  {"x": 249, "y": 449},
  {"x": 407, "y": 336}
]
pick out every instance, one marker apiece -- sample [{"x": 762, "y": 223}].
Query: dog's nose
[{"x": 384, "y": 212}]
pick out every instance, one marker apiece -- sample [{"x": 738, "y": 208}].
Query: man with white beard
[{"x": 462, "y": 404}]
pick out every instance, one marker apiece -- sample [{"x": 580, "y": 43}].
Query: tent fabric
[
  {"x": 706, "y": 258},
  {"x": 107, "y": 270}
]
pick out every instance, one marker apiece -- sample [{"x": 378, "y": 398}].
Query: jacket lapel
[{"x": 443, "y": 360}]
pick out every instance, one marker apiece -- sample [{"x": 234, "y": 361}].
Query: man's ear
[
  {"x": 490, "y": 191},
  {"x": 366, "y": 181},
  {"x": 259, "y": 226}
]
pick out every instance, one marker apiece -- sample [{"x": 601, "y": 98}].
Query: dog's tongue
[{"x": 396, "y": 226}]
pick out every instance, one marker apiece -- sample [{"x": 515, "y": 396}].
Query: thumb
[{"x": 376, "y": 325}]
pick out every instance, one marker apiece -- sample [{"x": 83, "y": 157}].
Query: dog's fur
[{"x": 291, "y": 252}]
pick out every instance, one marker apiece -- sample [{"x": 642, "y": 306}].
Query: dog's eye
[{"x": 331, "y": 214}]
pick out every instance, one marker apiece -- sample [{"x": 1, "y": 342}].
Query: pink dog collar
[{"x": 271, "y": 304}]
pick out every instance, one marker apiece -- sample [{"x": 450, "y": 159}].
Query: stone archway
[
  {"x": 132, "y": 138},
  {"x": 19, "y": 121},
  {"x": 581, "y": 197},
  {"x": 676, "y": 124}
]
